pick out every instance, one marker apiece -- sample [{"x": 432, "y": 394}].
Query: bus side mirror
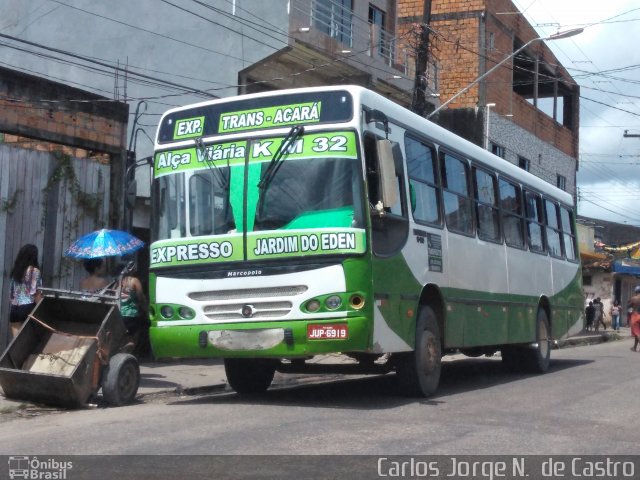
[{"x": 387, "y": 169}]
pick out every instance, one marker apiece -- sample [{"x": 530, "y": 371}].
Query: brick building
[{"x": 527, "y": 110}]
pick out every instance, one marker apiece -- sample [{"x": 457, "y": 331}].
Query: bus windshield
[
  {"x": 241, "y": 191},
  {"x": 312, "y": 193}
]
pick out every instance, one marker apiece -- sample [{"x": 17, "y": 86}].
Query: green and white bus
[{"x": 305, "y": 222}]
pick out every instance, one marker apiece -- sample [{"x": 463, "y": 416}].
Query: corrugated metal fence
[{"x": 49, "y": 200}]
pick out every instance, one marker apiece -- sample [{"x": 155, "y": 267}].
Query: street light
[
  {"x": 555, "y": 36},
  {"x": 486, "y": 127}
]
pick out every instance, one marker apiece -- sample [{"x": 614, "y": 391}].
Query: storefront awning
[{"x": 627, "y": 266}]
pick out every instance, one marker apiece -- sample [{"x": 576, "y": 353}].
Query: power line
[
  {"x": 610, "y": 106},
  {"x": 151, "y": 32}
]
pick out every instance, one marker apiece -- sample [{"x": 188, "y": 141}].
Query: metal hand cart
[{"x": 68, "y": 349}]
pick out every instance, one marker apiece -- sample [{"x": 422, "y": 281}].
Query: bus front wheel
[
  {"x": 418, "y": 372},
  {"x": 249, "y": 375}
]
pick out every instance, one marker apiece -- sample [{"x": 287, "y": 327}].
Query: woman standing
[
  {"x": 133, "y": 308},
  {"x": 25, "y": 285},
  {"x": 616, "y": 311}
]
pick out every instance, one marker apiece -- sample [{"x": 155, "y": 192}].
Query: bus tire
[
  {"x": 537, "y": 359},
  {"x": 249, "y": 375},
  {"x": 418, "y": 372},
  {"x": 121, "y": 379}
]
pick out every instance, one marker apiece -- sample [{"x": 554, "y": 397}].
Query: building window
[
  {"x": 491, "y": 42},
  {"x": 377, "y": 19},
  {"x": 334, "y": 17},
  {"x": 524, "y": 164},
  {"x": 561, "y": 182},
  {"x": 498, "y": 150}
]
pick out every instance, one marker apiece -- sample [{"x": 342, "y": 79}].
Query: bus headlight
[
  {"x": 333, "y": 302},
  {"x": 313, "y": 306},
  {"x": 186, "y": 313},
  {"x": 166, "y": 311}
]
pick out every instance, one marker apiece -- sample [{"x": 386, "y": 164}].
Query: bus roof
[{"x": 411, "y": 121}]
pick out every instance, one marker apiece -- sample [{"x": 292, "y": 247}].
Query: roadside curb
[{"x": 591, "y": 339}]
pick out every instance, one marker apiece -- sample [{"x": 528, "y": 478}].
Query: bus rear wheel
[
  {"x": 534, "y": 359},
  {"x": 249, "y": 375},
  {"x": 418, "y": 372},
  {"x": 538, "y": 358}
]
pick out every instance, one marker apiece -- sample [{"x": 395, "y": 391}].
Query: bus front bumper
[{"x": 289, "y": 339}]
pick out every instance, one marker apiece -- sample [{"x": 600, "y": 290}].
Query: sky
[{"x": 605, "y": 61}]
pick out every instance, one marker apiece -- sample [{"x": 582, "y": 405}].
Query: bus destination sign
[
  {"x": 263, "y": 113},
  {"x": 303, "y": 113}
]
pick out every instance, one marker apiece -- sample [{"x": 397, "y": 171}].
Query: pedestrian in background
[
  {"x": 616, "y": 311},
  {"x": 634, "y": 318},
  {"x": 590, "y": 315},
  {"x": 26, "y": 281},
  {"x": 599, "y": 320}
]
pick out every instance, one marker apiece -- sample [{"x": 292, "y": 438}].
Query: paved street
[{"x": 584, "y": 405}]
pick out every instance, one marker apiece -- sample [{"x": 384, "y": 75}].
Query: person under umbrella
[
  {"x": 129, "y": 294},
  {"x": 97, "y": 280}
]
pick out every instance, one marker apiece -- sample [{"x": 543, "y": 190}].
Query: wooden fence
[{"x": 47, "y": 199}]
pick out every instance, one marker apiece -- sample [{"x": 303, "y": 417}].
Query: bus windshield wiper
[
  {"x": 223, "y": 181},
  {"x": 276, "y": 161}
]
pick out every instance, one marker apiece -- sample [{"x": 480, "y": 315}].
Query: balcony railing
[{"x": 354, "y": 33}]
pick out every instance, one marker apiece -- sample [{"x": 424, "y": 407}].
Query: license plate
[{"x": 327, "y": 332}]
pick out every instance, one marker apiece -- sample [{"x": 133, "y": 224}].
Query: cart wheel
[{"x": 121, "y": 379}]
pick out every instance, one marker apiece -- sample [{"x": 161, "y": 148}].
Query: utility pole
[{"x": 419, "y": 104}]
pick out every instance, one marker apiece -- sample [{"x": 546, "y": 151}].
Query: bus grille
[
  {"x": 260, "y": 310},
  {"x": 267, "y": 303}
]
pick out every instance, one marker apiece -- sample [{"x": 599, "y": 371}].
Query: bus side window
[
  {"x": 457, "y": 200},
  {"x": 568, "y": 234},
  {"x": 553, "y": 229},
  {"x": 423, "y": 182},
  {"x": 512, "y": 212},
  {"x": 535, "y": 220},
  {"x": 486, "y": 200}
]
